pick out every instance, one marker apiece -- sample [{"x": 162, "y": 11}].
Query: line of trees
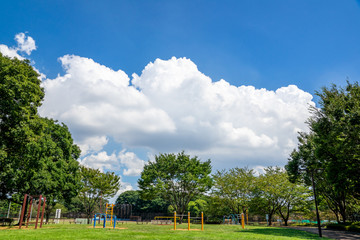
[
  {"x": 234, "y": 191},
  {"x": 38, "y": 156}
]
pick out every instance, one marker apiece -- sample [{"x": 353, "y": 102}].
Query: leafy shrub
[{"x": 354, "y": 227}]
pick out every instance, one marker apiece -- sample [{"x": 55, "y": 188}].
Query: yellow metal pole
[
  {"x": 188, "y": 221},
  {"x": 247, "y": 217},
  {"x": 242, "y": 221},
  {"x": 175, "y": 220},
  {"x": 202, "y": 221}
]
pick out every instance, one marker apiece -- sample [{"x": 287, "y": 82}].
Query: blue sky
[{"x": 266, "y": 45}]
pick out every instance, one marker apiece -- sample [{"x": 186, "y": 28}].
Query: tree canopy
[
  {"x": 20, "y": 96},
  {"x": 139, "y": 205},
  {"x": 37, "y": 155},
  {"x": 330, "y": 152},
  {"x": 235, "y": 187},
  {"x": 177, "y": 178},
  {"x": 95, "y": 186}
]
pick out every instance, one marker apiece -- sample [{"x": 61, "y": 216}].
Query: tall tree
[
  {"x": 97, "y": 185},
  {"x": 332, "y": 147},
  {"x": 235, "y": 187},
  {"x": 20, "y": 96},
  {"x": 177, "y": 178},
  {"x": 37, "y": 155}
]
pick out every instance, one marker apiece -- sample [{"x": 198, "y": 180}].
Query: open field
[{"x": 148, "y": 231}]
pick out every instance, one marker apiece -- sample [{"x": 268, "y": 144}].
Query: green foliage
[
  {"x": 37, "y": 155},
  {"x": 176, "y": 178},
  {"x": 353, "y": 227},
  {"x": 95, "y": 186},
  {"x": 235, "y": 187},
  {"x": 139, "y": 205},
  {"x": 330, "y": 152},
  {"x": 196, "y": 207},
  {"x": 217, "y": 207},
  {"x": 20, "y": 96},
  {"x": 274, "y": 193}
]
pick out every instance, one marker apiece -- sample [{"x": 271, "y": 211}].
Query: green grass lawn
[{"x": 148, "y": 231}]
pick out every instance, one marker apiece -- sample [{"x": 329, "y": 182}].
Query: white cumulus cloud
[
  {"x": 133, "y": 164},
  {"x": 24, "y": 44},
  {"x": 101, "y": 161},
  {"x": 10, "y": 52},
  {"x": 172, "y": 106},
  {"x": 95, "y": 100}
]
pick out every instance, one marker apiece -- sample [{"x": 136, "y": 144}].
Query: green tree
[
  {"x": 54, "y": 156},
  {"x": 216, "y": 209},
  {"x": 37, "y": 155},
  {"x": 235, "y": 187},
  {"x": 330, "y": 152},
  {"x": 97, "y": 185},
  {"x": 274, "y": 193},
  {"x": 20, "y": 96},
  {"x": 139, "y": 205},
  {"x": 295, "y": 198},
  {"x": 48, "y": 165},
  {"x": 176, "y": 178},
  {"x": 197, "y": 207}
]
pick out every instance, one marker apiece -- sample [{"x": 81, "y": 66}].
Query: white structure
[{"x": 57, "y": 215}]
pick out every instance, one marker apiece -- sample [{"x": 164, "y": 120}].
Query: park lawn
[{"x": 148, "y": 231}]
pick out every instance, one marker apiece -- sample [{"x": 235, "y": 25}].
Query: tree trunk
[
  {"x": 270, "y": 219},
  {"x": 286, "y": 221}
]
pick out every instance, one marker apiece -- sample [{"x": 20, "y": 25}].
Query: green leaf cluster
[
  {"x": 178, "y": 178},
  {"x": 97, "y": 186}
]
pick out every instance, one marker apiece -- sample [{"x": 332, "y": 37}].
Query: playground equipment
[
  {"x": 105, "y": 217},
  {"x": 109, "y": 212},
  {"x": 235, "y": 219},
  {"x": 30, "y": 198},
  {"x": 232, "y": 219},
  {"x": 108, "y": 216},
  {"x": 188, "y": 218},
  {"x": 163, "y": 220}
]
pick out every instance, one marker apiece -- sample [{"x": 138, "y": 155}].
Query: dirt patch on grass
[{"x": 188, "y": 230}]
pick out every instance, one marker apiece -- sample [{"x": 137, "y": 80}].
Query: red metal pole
[
  {"x": 42, "y": 212},
  {"x": 38, "y": 212},
  {"x": 29, "y": 212},
  {"x": 23, "y": 210}
]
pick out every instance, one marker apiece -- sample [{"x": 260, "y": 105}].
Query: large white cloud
[
  {"x": 172, "y": 106},
  {"x": 96, "y": 101}
]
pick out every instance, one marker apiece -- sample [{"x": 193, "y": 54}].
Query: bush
[
  {"x": 213, "y": 221},
  {"x": 354, "y": 227}
]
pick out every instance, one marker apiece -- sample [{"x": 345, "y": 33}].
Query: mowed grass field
[{"x": 147, "y": 231}]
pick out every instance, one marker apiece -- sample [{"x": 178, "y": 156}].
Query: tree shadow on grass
[{"x": 281, "y": 232}]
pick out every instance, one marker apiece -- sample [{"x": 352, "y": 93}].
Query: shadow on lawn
[{"x": 283, "y": 232}]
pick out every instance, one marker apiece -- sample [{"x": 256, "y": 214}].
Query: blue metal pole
[
  {"x": 114, "y": 222},
  {"x": 104, "y": 221},
  {"x": 94, "y": 220}
]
